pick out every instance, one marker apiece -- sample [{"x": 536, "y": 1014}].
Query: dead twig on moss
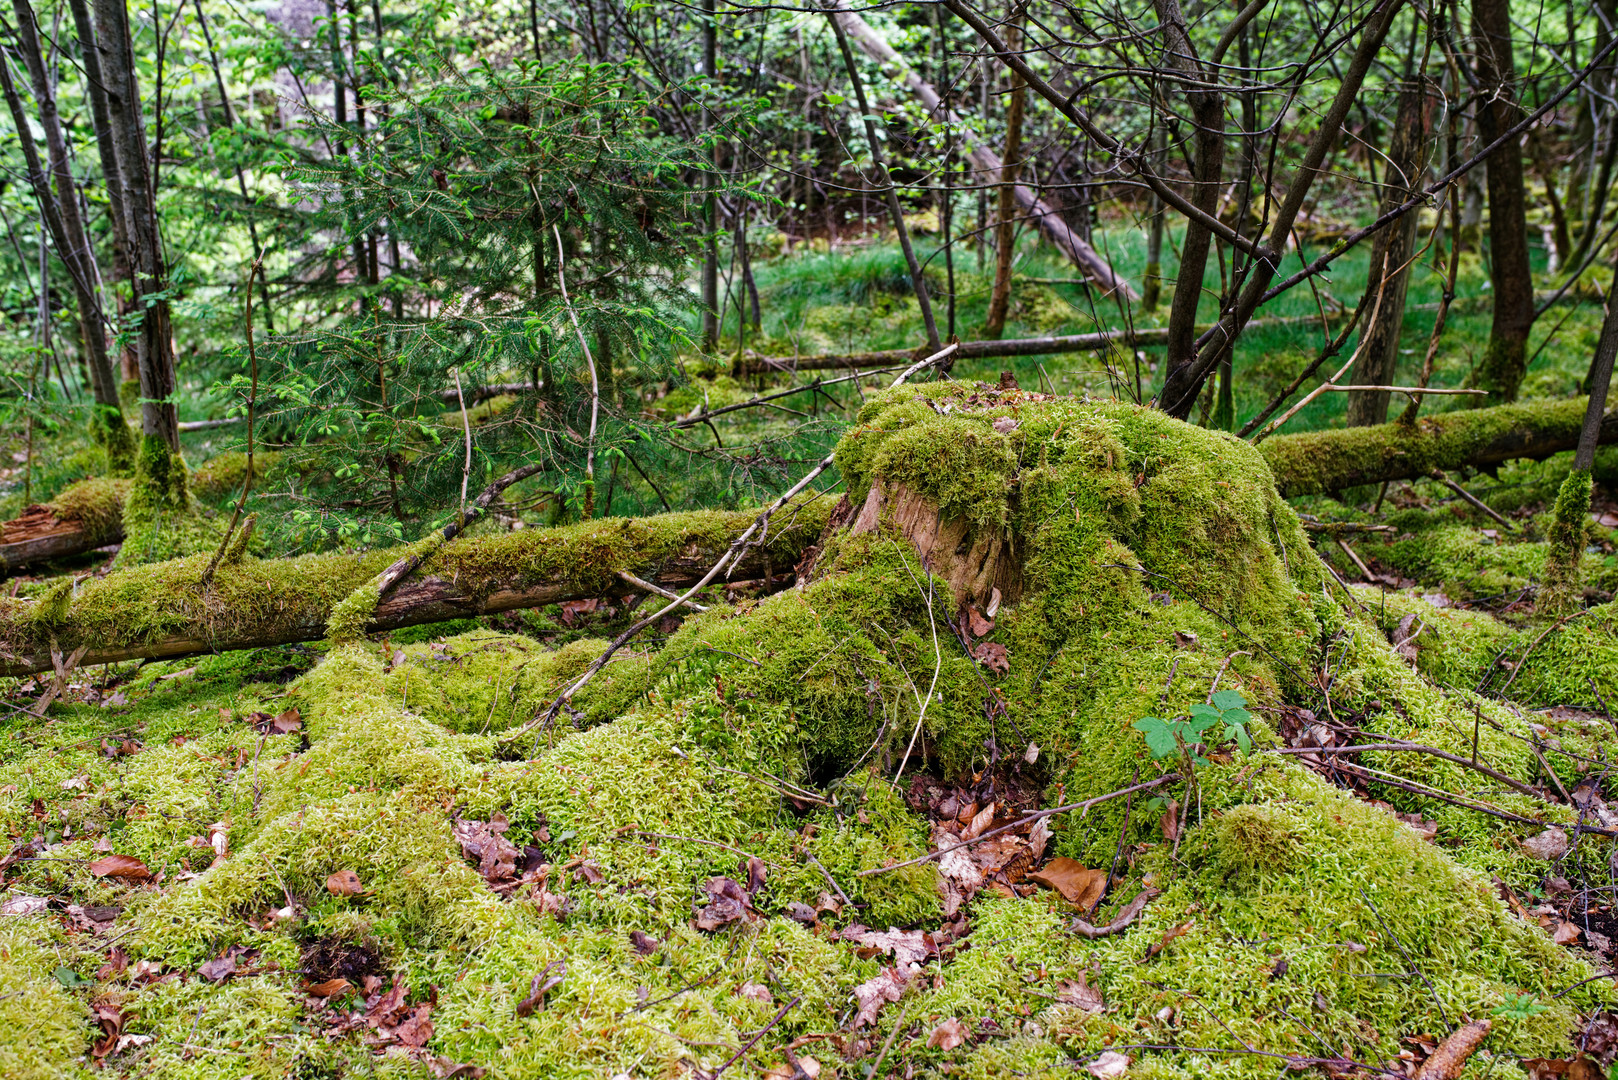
[
  {"x": 759, "y": 1034},
  {"x": 1120, "y": 922},
  {"x": 1420, "y": 748}
]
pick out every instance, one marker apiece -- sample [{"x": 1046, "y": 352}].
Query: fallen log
[
  {"x": 162, "y": 611},
  {"x": 1318, "y": 462},
  {"x": 88, "y": 515},
  {"x": 1040, "y": 346}
]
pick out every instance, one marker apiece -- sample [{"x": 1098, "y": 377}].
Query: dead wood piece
[
  {"x": 976, "y": 561},
  {"x": 1445, "y": 1063},
  {"x": 1319, "y": 462},
  {"x": 1121, "y": 922}
]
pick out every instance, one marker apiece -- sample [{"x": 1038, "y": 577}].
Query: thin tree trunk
[
  {"x": 1505, "y": 360},
  {"x": 918, "y": 281},
  {"x": 710, "y": 204},
  {"x": 985, "y": 162},
  {"x": 1005, "y": 227},
  {"x": 154, "y": 342},
  {"x": 1408, "y": 147},
  {"x": 1152, "y": 283},
  {"x": 61, "y": 214},
  {"x": 1208, "y": 119}
]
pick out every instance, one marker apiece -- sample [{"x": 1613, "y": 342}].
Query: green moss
[
  {"x": 221, "y": 476},
  {"x": 1570, "y": 525},
  {"x": 44, "y": 1031},
  {"x": 109, "y": 429},
  {"x": 97, "y": 505},
  {"x": 1254, "y": 841},
  {"x": 160, "y": 520}
]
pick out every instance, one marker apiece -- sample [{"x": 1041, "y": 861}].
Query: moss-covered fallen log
[
  {"x": 969, "y": 350},
  {"x": 88, "y": 515},
  {"x": 163, "y": 611},
  {"x": 1316, "y": 462}
]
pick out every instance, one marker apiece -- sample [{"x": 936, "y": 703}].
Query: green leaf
[
  {"x": 1159, "y": 735},
  {"x": 1239, "y": 733},
  {"x": 1229, "y": 699},
  {"x": 1236, "y": 716}
]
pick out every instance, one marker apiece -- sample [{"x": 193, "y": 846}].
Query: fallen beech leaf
[
  {"x": 979, "y": 824},
  {"x": 495, "y": 856},
  {"x": 1168, "y": 935},
  {"x": 992, "y": 655},
  {"x": 329, "y": 988},
  {"x": 448, "y": 1069},
  {"x": 417, "y": 1028},
  {"x": 874, "y": 993},
  {"x": 218, "y": 969},
  {"x": 645, "y": 944},
  {"x": 1446, "y": 1062},
  {"x": 909, "y": 947},
  {"x": 285, "y": 723},
  {"x": 1171, "y": 821},
  {"x": 976, "y": 624},
  {"x": 1078, "y": 884},
  {"x": 1081, "y": 995},
  {"x": 1565, "y": 934},
  {"x": 757, "y": 872},
  {"x": 727, "y": 903},
  {"x": 117, "y": 962},
  {"x": 24, "y": 905},
  {"x": 111, "y": 1018},
  {"x": 1038, "y": 837},
  {"x": 344, "y": 883},
  {"x": 757, "y": 991},
  {"x": 1108, "y": 1066},
  {"x": 1549, "y": 845},
  {"x": 949, "y": 1034},
  {"x": 121, "y": 866}
]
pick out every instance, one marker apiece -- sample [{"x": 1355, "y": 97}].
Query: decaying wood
[
  {"x": 1318, "y": 462},
  {"x": 275, "y": 602},
  {"x": 53, "y": 531},
  {"x": 976, "y": 561}
]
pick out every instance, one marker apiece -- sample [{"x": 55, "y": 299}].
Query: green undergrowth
[{"x": 1153, "y": 559}]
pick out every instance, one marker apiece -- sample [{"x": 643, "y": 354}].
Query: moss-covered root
[
  {"x": 1561, "y": 592},
  {"x": 161, "y": 520}
]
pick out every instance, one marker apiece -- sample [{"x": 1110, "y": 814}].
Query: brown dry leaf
[
  {"x": 1549, "y": 845},
  {"x": 546, "y": 981},
  {"x": 976, "y": 624},
  {"x": 1608, "y": 520},
  {"x": 992, "y": 655},
  {"x": 1038, "y": 837},
  {"x": 121, "y": 866},
  {"x": 1168, "y": 935},
  {"x": 949, "y": 1034},
  {"x": 1078, "y": 884},
  {"x": 111, "y": 1018},
  {"x": 1081, "y": 995},
  {"x": 1108, "y": 1066},
  {"x": 496, "y": 857},
  {"x": 218, "y": 969},
  {"x": 117, "y": 962},
  {"x": 417, "y": 1028},
  {"x": 572, "y": 609},
  {"x": 329, "y": 988},
  {"x": 908, "y": 947},
  {"x": 874, "y": 993},
  {"x": 979, "y": 824},
  {"x": 1566, "y": 934},
  {"x": 727, "y": 903},
  {"x": 449, "y": 1069},
  {"x": 757, "y": 991},
  {"x": 286, "y": 723},
  {"x": 1171, "y": 821},
  {"x": 757, "y": 873},
  {"x": 344, "y": 883},
  {"x": 645, "y": 944}
]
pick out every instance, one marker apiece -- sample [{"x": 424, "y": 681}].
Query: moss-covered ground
[{"x": 318, "y": 825}]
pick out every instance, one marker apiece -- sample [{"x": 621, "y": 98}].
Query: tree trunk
[
  {"x": 710, "y": 203},
  {"x": 163, "y": 611},
  {"x": 154, "y": 343},
  {"x": 1319, "y": 462},
  {"x": 1005, "y": 222},
  {"x": 985, "y": 162},
  {"x": 95, "y": 90},
  {"x": 72, "y": 241},
  {"x": 1393, "y": 248},
  {"x": 1505, "y": 360},
  {"x": 1208, "y": 118}
]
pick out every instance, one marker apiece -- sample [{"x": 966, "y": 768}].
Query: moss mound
[{"x": 1141, "y": 561}]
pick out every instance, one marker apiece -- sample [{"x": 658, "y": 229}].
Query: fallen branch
[
  {"x": 88, "y": 515},
  {"x": 1120, "y": 922},
  {"x": 1445, "y": 1063},
  {"x": 1319, "y": 462}
]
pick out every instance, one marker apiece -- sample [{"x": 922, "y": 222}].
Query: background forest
[{"x": 857, "y": 441}]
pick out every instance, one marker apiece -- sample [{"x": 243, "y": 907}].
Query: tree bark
[
  {"x": 985, "y": 162},
  {"x": 1208, "y": 120},
  {"x": 1318, "y": 462},
  {"x": 1505, "y": 361},
  {"x": 1005, "y": 223},
  {"x": 1392, "y": 249},
  {"x": 62, "y": 214},
  {"x": 154, "y": 343},
  {"x": 95, "y": 90},
  {"x": 162, "y": 611}
]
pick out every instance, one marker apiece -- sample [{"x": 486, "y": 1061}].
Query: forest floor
[{"x": 815, "y": 832}]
